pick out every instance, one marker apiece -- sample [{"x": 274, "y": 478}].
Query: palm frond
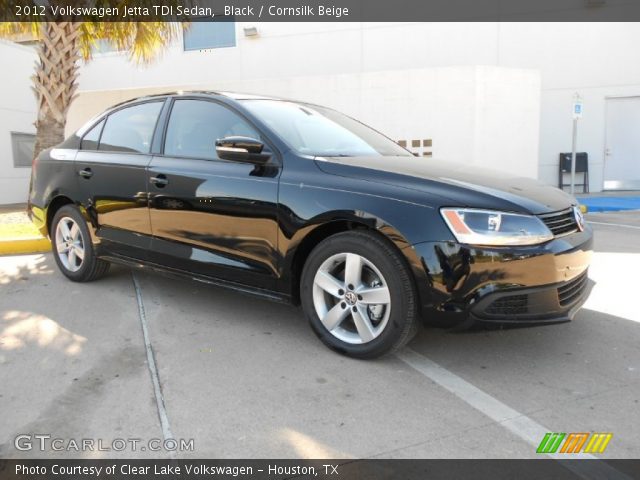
[
  {"x": 143, "y": 40},
  {"x": 14, "y": 30}
]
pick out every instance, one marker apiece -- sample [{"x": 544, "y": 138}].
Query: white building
[
  {"x": 494, "y": 94},
  {"x": 17, "y": 115}
]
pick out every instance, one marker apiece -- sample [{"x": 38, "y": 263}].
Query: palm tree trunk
[{"x": 54, "y": 81}]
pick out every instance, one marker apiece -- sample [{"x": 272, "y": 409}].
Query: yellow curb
[
  {"x": 19, "y": 246},
  {"x": 584, "y": 209}
]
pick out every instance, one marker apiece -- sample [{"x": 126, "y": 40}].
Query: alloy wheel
[
  {"x": 351, "y": 298},
  {"x": 70, "y": 245}
]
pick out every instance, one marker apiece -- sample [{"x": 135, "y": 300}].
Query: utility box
[{"x": 582, "y": 168}]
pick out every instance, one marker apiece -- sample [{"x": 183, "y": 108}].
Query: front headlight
[{"x": 487, "y": 227}]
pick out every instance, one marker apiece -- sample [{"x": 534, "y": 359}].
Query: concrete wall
[
  {"x": 17, "y": 114},
  {"x": 598, "y": 61},
  {"x": 595, "y": 59}
]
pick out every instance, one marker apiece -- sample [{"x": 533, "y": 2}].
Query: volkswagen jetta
[{"x": 299, "y": 203}]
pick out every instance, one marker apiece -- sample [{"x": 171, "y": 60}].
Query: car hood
[{"x": 457, "y": 184}]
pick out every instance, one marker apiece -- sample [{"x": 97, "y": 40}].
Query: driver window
[{"x": 195, "y": 125}]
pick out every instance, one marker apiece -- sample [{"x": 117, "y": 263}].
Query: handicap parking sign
[{"x": 577, "y": 109}]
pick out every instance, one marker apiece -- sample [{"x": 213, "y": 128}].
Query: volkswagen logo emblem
[{"x": 351, "y": 298}]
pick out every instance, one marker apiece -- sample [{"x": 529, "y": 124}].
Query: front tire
[
  {"x": 358, "y": 295},
  {"x": 72, "y": 247}
]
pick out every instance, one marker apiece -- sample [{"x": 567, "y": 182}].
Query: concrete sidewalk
[{"x": 610, "y": 203}]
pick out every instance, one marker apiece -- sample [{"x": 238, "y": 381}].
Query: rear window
[
  {"x": 130, "y": 129},
  {"x": 91, "y": 139}
]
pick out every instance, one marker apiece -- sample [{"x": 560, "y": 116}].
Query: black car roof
[
  {"x": 234, "y": 96},
  {"x": 202, "y": 93}
]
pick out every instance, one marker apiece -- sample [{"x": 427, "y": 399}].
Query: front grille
[
  {"x": 511, "y": 305},
  {"x": 571, "y": 291},
  {"x": 560, "y": 223}
]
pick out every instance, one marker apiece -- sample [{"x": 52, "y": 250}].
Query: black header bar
[
  {"x": 320, "y": 10},
  {"x": 320, "y": 469}
]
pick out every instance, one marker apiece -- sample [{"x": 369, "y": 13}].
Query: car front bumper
[{"x": 463, "y": 284}]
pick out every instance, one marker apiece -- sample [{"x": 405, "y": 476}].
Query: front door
[
  {"x": 111, "y": 166},
  {"x": 622, "y": 151},
  {"x": 210, "y": 216}
]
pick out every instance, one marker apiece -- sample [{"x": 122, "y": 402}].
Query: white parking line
[
  {"x": 155, "y": 378},
  {"x": 635, "y": 227},
  {"x": 517, "y": 423}
]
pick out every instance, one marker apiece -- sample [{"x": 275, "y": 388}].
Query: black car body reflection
[{"x": 250, "y": 224}]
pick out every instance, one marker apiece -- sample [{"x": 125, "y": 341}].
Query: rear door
[
  {"x": 210, "y": 216},
  {"x": 111, "y": 167},
  {"x": 622, "y": 152}
]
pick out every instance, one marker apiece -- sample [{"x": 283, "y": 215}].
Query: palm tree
[{"x": 61, "y": 46}]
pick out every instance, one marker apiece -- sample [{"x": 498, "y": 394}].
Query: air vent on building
[{"x": 420, "y": 148}]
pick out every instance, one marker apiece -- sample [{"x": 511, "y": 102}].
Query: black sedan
[{"x": 299, "y": 203}]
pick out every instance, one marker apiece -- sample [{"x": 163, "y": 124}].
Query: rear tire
[
  {"x": 358, "y": 295},
  {"x": 72, "y": 247}
]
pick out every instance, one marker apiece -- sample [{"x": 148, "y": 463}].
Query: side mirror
[{"x": 241, "y": 149}]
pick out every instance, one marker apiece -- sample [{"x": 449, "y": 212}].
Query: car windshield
[{"x": 317, "y": 131}]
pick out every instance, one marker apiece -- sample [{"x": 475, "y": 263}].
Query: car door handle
[
  {"x": 85, "y": 173},
  {"x": 159, "y": 181}
]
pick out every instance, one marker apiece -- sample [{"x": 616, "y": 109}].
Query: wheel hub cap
[{"x": 351, "y": 298}]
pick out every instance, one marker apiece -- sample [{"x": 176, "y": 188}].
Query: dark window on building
[
  {"x": 195, "y": 126},
  {"x": 91, "y": 138},
  {"x": 104, "y": 46},
  {"x": 216, "y": 34},
  {"x": 22, "y": 145},
  {"x": 130, "y": 129}
]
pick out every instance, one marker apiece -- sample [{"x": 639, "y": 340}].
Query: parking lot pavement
[
  {"x": 247, "y": 378},
  {"x": 71, "y": 361}
]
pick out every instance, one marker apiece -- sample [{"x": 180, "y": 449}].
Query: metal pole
[{"x": 573, "y": 154}]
